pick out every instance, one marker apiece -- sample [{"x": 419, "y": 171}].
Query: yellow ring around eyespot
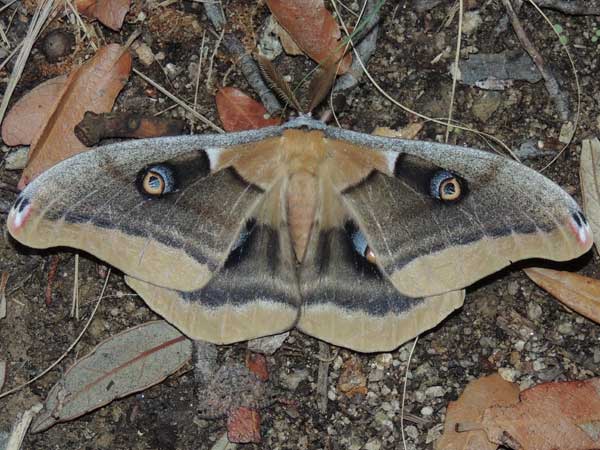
[
  {"x": 149, "y": 183},
  {"x": 454, "y": 195}
]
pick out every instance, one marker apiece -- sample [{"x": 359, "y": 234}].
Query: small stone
[
  {"x": 419, "y": 396},
  {"x": 513, "y": 288},
  {"x": 383, "y": 360},
  {"x": 534, "y": 311},
  {"x": 373, "y": 444},
  {"x": 269, "y": 344},
  {"x": 426, "y": 411},
  {"x": 56, "y": 44},
  {"x": 412, "y": 432},
  {"x": 519, "y": 345},
  {"x": 565, "y": 328},
  {"x": 293, "y": 379},
  {"x": 435, "y": 391},
  {"x": 144, "y": 54},
  {"x": 331, "y": 394},
  {"x": 376, "y": 375},
  {"x": 16, "y": 159},
  {"x": 566, "y": 132},
  {"x": 114, "y": 312},
  {"x": 485, "y": 106},
  {"x": 172, "y": 70},
  {"x": 471, "y": 21},
  {"x": 538, "y": 365},
  {"x": 508, "y": 374},
  {"x": 596, "y": 355}
]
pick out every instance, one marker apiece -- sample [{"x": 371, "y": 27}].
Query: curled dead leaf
[
  {"x": 90, "y": 87},
  {"x": 28, "y": 115},
  {"x": 243, "y": 425},
  {"x": 578, "y": 292},
  {"x": 313, "y": 28},
  {"x": 108, "y": 12},
  {"x": 240, "y": 112}
]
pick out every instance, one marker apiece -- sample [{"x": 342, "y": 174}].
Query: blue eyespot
[
  {"x": 446, "y": 186},
  {"x": 359, "y": 241},
  {"x": 157, "y": 180}
]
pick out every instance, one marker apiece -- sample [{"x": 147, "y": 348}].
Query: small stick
[
  {"x": 247, "y": 64},
  {"x": 558, "y": 96},
  {"x": 323, "y": 377},
  {"x": 3, "y": 281},
  {"x": 54, "y": 260},
  {"x": 95, "y": 127},
  {"x": 21, "y": 426},
  {"x": 574, "y": 7}
]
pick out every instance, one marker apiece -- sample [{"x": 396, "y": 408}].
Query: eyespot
[
  {"x": 362, "y": 247},
  {"x": 157, "y": 180},
  {"x": 446, "y": 186}
]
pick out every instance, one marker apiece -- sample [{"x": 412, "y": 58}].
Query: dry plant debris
[
  {"x": 238, "y": 111},
  {"x": 128, "y": 362},
  {"x": 549, "y": 416},
  {"x": 314, "y": 30},
  {"x": 35, "y": 107},
  {"x": 578, "y": 292},
  {"x": 108, "y": 12},
  {"x": 91, "y": 87},
  {"x": 479, "y": 395}
]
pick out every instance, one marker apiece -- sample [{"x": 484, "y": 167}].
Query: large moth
[{"x": 358, "y": 240}]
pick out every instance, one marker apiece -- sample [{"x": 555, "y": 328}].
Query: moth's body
[{"x": 358, "y": 240}]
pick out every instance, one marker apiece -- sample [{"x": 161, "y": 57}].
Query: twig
[
  {"x": 247, "y": 64},
  {"x": 21, "y": 426},
  {"x": 323, "y": 376},
  {"x": 365, "y": 49},
  {"x": 3, "y": 281},
  {"x": 54, "y": 260},
  {"x": 180, "y": 102},
  {"x": 455, "y": 72},
  {"x": 559, "y": 97},
  {"x": 574, "y": 7}
]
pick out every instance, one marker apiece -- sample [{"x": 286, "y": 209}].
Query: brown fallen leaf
[
  {"x": 550, "y": 416},
  {"x": 90, "y": 87},
  {"x": 108, "y": 12},
  {"x": 243, "y": 426},
  {"x": 257, "y": 364},
  {"x": 27, "y": 116},
  {"x": 469, "y": 408},
  {"x": 95, "y": 127},
  {"x": 128, "y": 362},
  {"x": 410, "y": 131},
  {"x": 589, "y": 175},
  {"x": 240, "y": 112},
  {"x": 578, "y": 292},
  {"x": 313, "y": 28}
]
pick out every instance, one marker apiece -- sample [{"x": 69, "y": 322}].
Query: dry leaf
[
  {"x": 243, "y": 425},
  {"x": 91, "y": 87},
  {"x": 589, "y": 176},
  {"x": 257, "y": 364},
  {"x": 410, "y": 131},
  {"x": 27, "y": 116},
  {"x": 288, "y": 44},
  {"x": 321, "y": 85},
  {"x": 469, "y": 408},
  {"x": 578, "y": 292},
  {"x": 549, "y": 416},
  {"x": 131, "y": 361},
  {"x": 313, "y": 28},
  {"x": 108, "y": 12},
  {"x": 240, "y": 112}
]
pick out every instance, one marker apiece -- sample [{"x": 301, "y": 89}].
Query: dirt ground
[{"x": 506, "y": 323}]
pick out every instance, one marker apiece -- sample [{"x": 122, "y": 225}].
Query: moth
[{"x": 358, "y": 240}]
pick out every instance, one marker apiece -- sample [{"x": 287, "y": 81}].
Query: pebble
[
  {"x": 565, "y": 328},
  {"x": 269, "y": 344},
  {"x": 534, "y": 311},
  {"x": 435, "y": 391},
  {"x": 508, "y": 374},
  {"x": 383, "y": 360},
  {"x": 471, "y": 21},
  {"x": 538, "y": 365},
  {"x": 293, "y": 379},
  {"x": 16, "y": 159},
  {"x": 376, "y": 375},
  {"x": 412, "y": 432},
  {"x": 373, "y": 444},
  {"x": 144, "y": 54},
  {"x": 172, "y": 70},
  {"x": 419, "y": 396},
  {"x": 426, "y": 411}
]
